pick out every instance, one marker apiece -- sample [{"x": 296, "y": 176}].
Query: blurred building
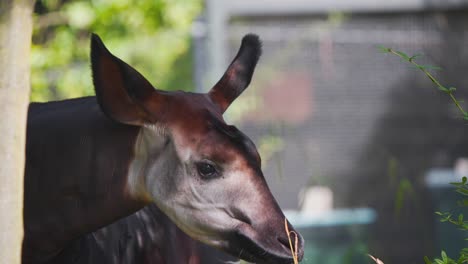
[{"x": 328, "y": 109}]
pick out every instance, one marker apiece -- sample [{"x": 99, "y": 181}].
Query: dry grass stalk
[
  {"x": 378, "y": 261},
  {"x": 296, "y": 239}
]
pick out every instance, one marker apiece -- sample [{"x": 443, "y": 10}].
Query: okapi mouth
[{"x": 267, "y": 247}]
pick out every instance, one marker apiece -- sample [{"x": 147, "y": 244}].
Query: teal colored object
[{"x": 335, "y": 237}]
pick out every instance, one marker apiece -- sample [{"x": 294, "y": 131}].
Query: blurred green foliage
[{"x": 151, "y": 35}]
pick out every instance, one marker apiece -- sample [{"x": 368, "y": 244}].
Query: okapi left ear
[
  {"x": 123, "y": 93},
  {"x": 239, "y": 74}
]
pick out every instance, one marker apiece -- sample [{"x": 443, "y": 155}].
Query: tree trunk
[{"x": 15, "y": 43}]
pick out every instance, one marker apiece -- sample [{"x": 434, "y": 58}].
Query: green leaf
[
  {"x": 383, "y": 49},
  {"x": 462, "y": 191},
  {"x": 403, "y": 55},
  {"x": 446, "y": 217},
  {"x": 452, "y": 89},
  {"x": 460, "y": 183},
  {"x": 405, "y": 191},
  {"x": 427, "y": 260},
  {"x": 464, "y": 202},
  {"x": 443, "y": 89},
  {"x": 444, "y": 256}
]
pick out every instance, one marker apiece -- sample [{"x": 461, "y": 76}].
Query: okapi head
[{"x": 204, "y": 174}]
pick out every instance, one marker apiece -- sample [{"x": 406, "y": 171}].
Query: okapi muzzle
[{"x": 178, "y": 153}]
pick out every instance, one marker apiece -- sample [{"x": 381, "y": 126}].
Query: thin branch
[{"x": 449, "y": 91}]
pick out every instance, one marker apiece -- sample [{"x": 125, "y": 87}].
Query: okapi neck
[{"x": 76, "y": 178}]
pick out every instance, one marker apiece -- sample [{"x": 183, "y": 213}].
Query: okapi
[{"x": 93, "y": 160}]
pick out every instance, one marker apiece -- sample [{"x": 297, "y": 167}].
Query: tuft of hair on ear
[
  {"x": 239, "y": 73},
  {"x": 250, "y": 51},
  {"x": 246, "y": 60}
]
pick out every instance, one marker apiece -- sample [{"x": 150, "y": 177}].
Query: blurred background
[{"x": 358, "y": 147}]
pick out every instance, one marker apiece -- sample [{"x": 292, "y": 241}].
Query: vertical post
[
  {"x": 15, "y": 44},
  {"x": 216, "y": 24},
  {"x": 199, "y": 54}
]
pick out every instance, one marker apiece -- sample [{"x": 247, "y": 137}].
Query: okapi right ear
[
  {"x": 123, "y": 93},
  {"x": 239, "y": 74}
]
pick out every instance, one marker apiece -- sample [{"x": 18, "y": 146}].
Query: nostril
[{"x": 296, "y": 245}]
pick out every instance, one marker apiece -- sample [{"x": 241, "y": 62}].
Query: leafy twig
[
  {"x": 424, "y": 68},
  {"x": 461, "y": 187}
]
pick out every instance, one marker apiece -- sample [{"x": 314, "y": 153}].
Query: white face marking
[{"x": 151, "y": 139}]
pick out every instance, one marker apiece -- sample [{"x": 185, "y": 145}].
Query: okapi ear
[
  {"x": 239, "y": 74},
  {"x": 121, "y": 91}
]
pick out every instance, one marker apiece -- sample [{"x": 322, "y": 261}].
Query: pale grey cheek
[{"x": 164, "y": 182}]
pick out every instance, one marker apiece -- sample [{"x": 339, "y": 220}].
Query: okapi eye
[{"x": 206, "y": 170}]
